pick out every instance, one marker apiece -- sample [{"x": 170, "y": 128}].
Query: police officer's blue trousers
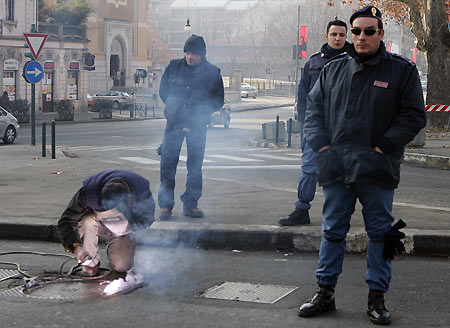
[
  {"x": 339, "y": 205},
  {"x": 308, "y": 178},
  {"x": 170, "y": 152}
]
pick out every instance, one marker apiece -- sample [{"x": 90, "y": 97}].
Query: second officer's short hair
[{"x": 336, "y": 22}]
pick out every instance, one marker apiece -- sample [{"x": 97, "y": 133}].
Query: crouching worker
[{"x": 111, "y": 204}]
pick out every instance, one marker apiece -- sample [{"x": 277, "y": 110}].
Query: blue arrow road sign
[{"x": 33, "y": 72}]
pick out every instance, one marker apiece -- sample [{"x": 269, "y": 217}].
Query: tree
[
  {"x": 70, "y": 12},
  {"x": 159, "y": 51},
  {"x": 428, "y": 21}
]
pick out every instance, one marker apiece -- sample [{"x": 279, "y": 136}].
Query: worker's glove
[{"x": 392, "y": 241}]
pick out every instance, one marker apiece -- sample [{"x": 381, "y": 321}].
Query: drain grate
[{"x": 247, "y": 292}]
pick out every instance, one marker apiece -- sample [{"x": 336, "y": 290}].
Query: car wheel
[
  {"x": 226, "y": 125},
  {"x": 254, "y": 97},
  {"x": 10, "y": 135},
  {"x": 116, "y": 105}
]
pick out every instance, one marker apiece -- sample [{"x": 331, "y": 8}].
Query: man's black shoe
[
  {"x": 298, "y": 217},
  {"x": 376, "y": 310},
  {"x": 194, "y": 213},
  {"x": 322, "y": 301}
]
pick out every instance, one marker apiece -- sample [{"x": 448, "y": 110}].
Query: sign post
[{"x": 33, "y": 72}]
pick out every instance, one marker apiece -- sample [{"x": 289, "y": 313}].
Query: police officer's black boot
[
  {"x": 322, "y": 301},
  {"x": 376, "y": 310},
  {"x": 298, "y": 217}
]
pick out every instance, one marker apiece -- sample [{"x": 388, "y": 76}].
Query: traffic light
[
  {"x": 28, "y": 52},
  {"x": 89, "y": 61}
]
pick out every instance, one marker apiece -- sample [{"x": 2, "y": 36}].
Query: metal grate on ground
[{"x": 248, "y": 292}]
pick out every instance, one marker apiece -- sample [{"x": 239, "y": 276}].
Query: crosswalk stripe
[
  {"x": 184, "y": 159},
  {"x": 281, "y": 158},
  {"x": 140, "y": 160},
  {"x": 236, "y": 158}
]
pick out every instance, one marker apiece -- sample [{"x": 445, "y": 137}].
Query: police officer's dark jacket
[
  {"x": 191, "y": 93},
  {"x": 358, "y": 105},
  {"x": 310, "y": 74},
  {"x": 87, "y": 200}
]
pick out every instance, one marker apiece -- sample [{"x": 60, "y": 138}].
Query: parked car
[
  {"x": 222, "y": 116},
  {"x": 9, "y": 126},
  {"x": 121, "y": 100},
  {"x": 248, "y": 91}
]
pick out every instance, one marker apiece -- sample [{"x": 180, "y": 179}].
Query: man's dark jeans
[{"x": 170, "y": 152}]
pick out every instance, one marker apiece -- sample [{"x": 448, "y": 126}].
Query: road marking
[
  {"x": 236, "y": 158},
  {"x": 252, "y": 167},
  {"x": 268, "y": 156},
  {"x": 140, "y": 160},
  {"x": 184, "y": 159}
]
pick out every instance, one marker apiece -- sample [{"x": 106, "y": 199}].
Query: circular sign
[{"x": 33, "y": 72}]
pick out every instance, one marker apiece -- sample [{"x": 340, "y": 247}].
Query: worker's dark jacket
[
  {"x": 191, "y": 93},
  {"x": 356, "y": 106},
  {"x": 87, "y": 200},
  {"x": 310, "y": 74}
]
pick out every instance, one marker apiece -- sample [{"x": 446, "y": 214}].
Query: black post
[
  {"x": 289, "y": 132},
  {"x": 53, "y": 139},
  {"x": 277, "y": 128},
  {"x": 44, "y": 136},
  {"x": 33, "y": 112}
]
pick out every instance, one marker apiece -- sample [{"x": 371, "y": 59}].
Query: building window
[{"x": 10, "y": 10}]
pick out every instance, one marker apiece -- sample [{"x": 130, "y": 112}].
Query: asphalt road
[{"x": 418, "y": 296}]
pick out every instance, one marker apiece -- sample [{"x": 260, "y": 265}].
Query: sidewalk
[{"x": 36, "y": 190}]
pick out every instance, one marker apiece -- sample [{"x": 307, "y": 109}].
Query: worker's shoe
[
  {"x": 194, "y": 213},
  {"x": 322, "y": 301},
  {"x": 298, "y": 217},
  {"x": 376, "y": 310},
  {"x": 165, "y": 214},
  {"x": 89, "y": 271}
]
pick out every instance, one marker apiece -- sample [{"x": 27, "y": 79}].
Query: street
[
  {"x": 417, "y": 298},
  {"x": 232, "y": 166}
]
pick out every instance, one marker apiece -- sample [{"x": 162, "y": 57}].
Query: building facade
[
  {"x": 118, "y": 34},
  {"x": 61, "y": 57}
]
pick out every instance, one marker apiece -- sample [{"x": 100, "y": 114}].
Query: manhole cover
[
  {"x": 247, "y": 292},
  {"x": 67, "y": 290}
]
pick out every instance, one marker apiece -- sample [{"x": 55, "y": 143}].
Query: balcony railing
[{"x": 63, "y": 32}]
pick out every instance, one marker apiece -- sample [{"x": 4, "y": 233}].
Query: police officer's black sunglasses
[{"x": 367, "y": 31}]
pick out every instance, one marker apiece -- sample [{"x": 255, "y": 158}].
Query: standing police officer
[
  {"x": 365, "y": 107},
  {"x": 336, "y": 44},
  {"x": 191, "y": 89}
]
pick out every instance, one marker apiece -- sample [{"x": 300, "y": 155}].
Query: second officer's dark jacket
[
  {"x": 356, "y": 106},
  {"x": 191, "y": 93},
  {"x": 310, "y": 74}
]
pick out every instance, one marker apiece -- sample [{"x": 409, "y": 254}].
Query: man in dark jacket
[
  {"x": 191, "y": 89},
  {"x": 4, "y": 100},
  {"x": 113, "y": 204},
  {"x": 365, "y": 107},
  {"x": 336, "y": 44}
]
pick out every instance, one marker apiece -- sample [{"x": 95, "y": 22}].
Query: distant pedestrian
[
  {"x": 365, "y": 107},
  {"x": 4, "y": 100},
  {"x": 191, "y": 89},
  {"x": 113, "y": 204},
  {"x": 336, "y": 44}
]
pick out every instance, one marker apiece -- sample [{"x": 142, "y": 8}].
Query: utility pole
[{"x": 296, "y": 53}]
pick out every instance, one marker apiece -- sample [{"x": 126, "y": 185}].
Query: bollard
[
  {"x": 44, "y": 132},
  {"x": 132, "y": 109},
  {"x": 289, "y": 128},
  {"x": 277, "y": 128},
  {"x": 53, "y": 139}
]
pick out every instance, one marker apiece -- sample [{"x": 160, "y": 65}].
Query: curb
[
  {"x": 421, "y": 160},
  {"x": 260, "y": 108},
  {"x": 246, "y": 237}
]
